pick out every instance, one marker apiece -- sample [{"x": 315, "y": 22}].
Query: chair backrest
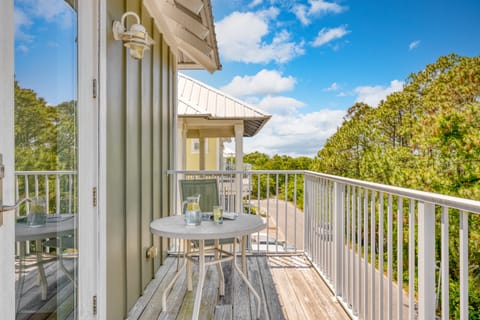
[{"x": 206, "y": 188}]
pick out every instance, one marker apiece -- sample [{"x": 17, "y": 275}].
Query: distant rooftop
[{"x": 196, "y": 99}]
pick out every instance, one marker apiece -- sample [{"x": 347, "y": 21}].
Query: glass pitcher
[{"x": 191, "y": 207}]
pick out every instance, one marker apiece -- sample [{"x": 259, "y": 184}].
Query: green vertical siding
[{"x": 140, "y": 117}]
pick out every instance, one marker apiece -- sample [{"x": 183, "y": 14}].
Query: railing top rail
[
  {"x": 224, "y": 172},
  {"x": 434, "y": 198},
  {"x": 47, "y": 172}
]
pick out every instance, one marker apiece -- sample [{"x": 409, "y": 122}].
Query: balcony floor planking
[{"x": 289, "y": 288}]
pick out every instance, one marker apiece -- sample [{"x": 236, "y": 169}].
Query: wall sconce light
[{"x": 136, "y": 39}]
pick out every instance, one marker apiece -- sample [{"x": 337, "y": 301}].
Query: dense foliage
[
  {"x": 426, "y": 137},
  {"x": 45, "y": 136},
  {"x": 45, "y": 140},
  {"x": 285, "y": 186}
]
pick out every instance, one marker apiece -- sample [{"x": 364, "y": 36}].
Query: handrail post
[
  {"x": 338, "y": 235},
  {"x": 426, "y": 260}
]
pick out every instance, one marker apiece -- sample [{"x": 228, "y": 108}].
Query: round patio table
[{"x": 175, "y": 227}]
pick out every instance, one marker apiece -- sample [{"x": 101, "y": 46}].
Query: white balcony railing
[
  {"x": 375, "y": 245},
  {"x": 386, "y": 252},
  {"x": 57, "y": 188}
]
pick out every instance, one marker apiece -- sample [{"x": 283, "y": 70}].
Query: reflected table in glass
[
  {"x": 175, "y": 227},
  {"x": 56, "y": 227}
]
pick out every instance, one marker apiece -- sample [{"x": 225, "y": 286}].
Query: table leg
[
  {"x": 201, "y": 280},
  {"x": 244, "y": 255},
  {"x": 62, "y": 266},
  {"x": 21, "y": 273},
  {"x": 172, "y": 282},
  {"x": 41, "y": 272},
  {"x": 189, "y": 267},
  {"x": 221, "y": 278},
  {"x": 245, "y": 279}
]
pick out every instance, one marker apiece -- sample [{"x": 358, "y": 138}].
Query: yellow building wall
[{"x": 212, "y": 155}]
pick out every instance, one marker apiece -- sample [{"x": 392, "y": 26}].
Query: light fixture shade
[{"x": 136, "y": 39}]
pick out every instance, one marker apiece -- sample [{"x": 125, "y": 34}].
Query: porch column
[
  {"x": 202, "y": 154},
  {"x": 182, "y": 144},
  {"x": 239, "y": 164}
]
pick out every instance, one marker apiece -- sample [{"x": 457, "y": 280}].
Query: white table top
[
  {"x": 175, "y": 227},
  {"x": 51, "y": 229}
]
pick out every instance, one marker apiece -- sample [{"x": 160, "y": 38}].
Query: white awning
[
  {"x": 188, "y": 27},
  {"x": 198, "y": 100}
]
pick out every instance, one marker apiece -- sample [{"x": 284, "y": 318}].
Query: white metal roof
[
  {"x": 188, "y": 27},
  {"x": 196, "y": 99}
]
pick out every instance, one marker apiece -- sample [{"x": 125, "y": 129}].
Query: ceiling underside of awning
[{"x": 188, "y": 27}]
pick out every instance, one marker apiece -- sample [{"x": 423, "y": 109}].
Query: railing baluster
[
  {"x": 70, "y": 193},
  {"x": 57, "y": 193},
  {"x": 338, "y": 239},
  {"x": 444, "y": 265},
  {"x": 463, "y": 265},
  {"x": 426, "y": 260},
  {"x": 35, "y": 178},
  {"x": 276, "y": 212},
  {"x": 390, "y": 256},
  {"x": 359, "y": 251},
  {"x": 372, "y": 252},
  {"x": 295, "y": 214},
  {"x": 347, "y": 296},
  {"x": 268, "y": 213},
  {"x": 381, "y": 259},
  {"x": 286, "y": 212},
  {"x": 365, "y": 252},
  {"x": 411, "y": 260},
  {"x": 400, "y": 259},
  {"x": 352, "y": 251},
  {"x": 47, "y": 194}
]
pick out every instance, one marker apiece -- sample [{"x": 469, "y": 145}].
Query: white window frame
[{"x": 196, "y": 142}]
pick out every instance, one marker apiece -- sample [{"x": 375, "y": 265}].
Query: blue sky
[
  {"x": 305, "y": 62},
  {"x": 45, "y": 48}
]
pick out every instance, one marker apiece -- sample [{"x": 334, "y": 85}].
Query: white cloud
[
  {"x": 255, "y": 3},
  {"x": 241, "y": 38},
  {"x": 279, "y": 105},
  {"x": 333, "y": 87},
  {"x": 324, "y": 7},
  {"x": 295, "y": 135},
  {"x": 264, "y": 82},
  {"x": 316, "y": 8},
  {"x": 414, "y": 45},
  {"x": 23, "y": 48},
  {"x": 57, "y": 11},
  {"x": 372, "y": 95},
  {"x": 301, "y": 11},
  {"x": 21, "y": 22},
  {"x": 327, "y": 35}
]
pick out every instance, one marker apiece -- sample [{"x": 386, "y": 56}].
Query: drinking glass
[{"x": 218, "y": 214}]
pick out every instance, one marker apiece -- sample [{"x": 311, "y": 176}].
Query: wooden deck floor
[
  {"x": 60, "y": 300},
  {"x": 288, "y": 285}
]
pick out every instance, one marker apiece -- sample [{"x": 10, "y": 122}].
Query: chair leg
[
  {"x": 189, "y": 267},
  {"x": 244, "y": 254},
  {"x": 221, "y": 278}
]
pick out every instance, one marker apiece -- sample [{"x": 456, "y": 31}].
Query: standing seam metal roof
[{"x": 196, "y": 99}]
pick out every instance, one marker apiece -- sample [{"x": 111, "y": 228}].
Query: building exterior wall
[
  {"x": 141, "y": 100},
  {"x": 211, "y": 155}
]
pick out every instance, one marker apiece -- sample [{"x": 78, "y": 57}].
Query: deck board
[{"x": 289, "y": 288}]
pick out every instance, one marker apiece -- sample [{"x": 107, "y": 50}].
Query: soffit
[{"x": 188, "y": 27}]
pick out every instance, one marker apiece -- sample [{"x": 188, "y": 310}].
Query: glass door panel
[{"x": 46, "y": 255}]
